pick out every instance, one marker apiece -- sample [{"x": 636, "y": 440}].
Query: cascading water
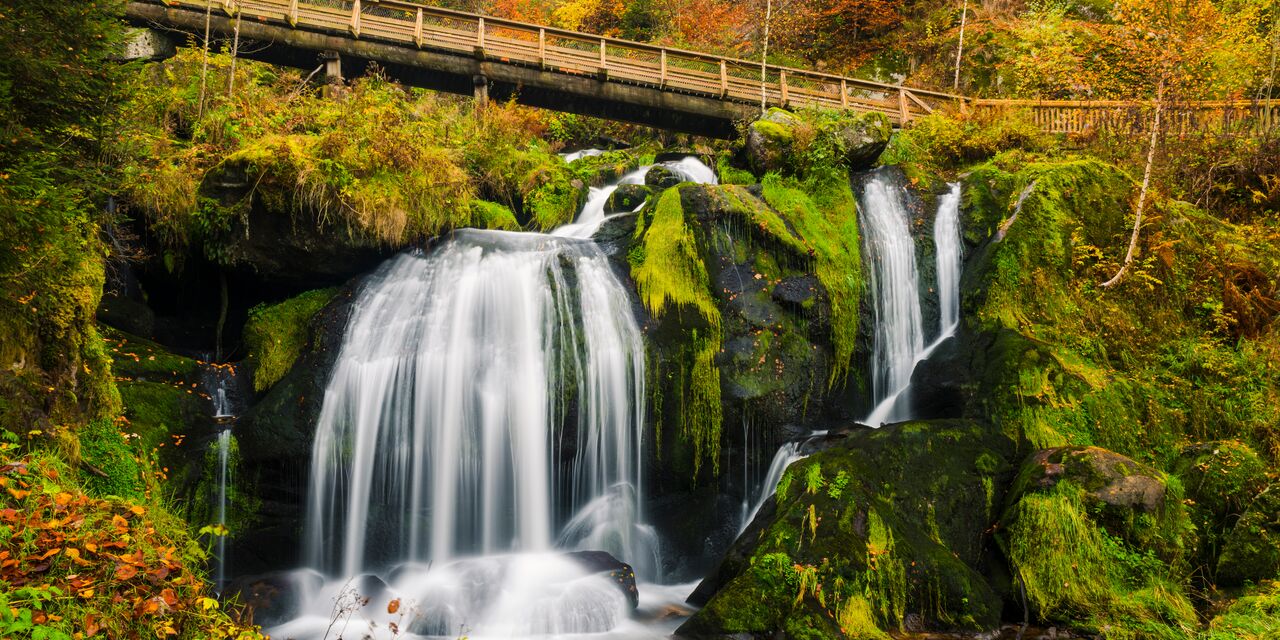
[
  {"x": 898, "y": 320},
  {"x": 442, "y": 457},
  {"x": 219, "y": 381},
  {"x": 890, "y": 253}
]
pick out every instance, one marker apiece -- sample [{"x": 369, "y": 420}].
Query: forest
[{"x": 314, "y": 326}]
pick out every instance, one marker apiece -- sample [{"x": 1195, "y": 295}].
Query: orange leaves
[
  {"x": 91, "y": 626},
  {"x": 126, "y": 572},
  {"x": 393, "y": 606}
]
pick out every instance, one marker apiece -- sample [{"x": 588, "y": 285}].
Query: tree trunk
[
  {"x": 964, "y": 18},
  {"x": 204, "y": 64},
  {"x": 1142, "y": 195},
  {"x": 764, "y": 58},
  {"x": 235, "y": 51}
]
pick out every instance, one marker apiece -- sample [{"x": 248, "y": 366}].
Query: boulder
[
  {"x": 660, "y": 178},
  {"x": 626, "y": 198},
  {"x": 1222, "y": 479},
  {"x": 863, "y": 139},
  {"x": 619, "y": 572},
  {"x": 1251, "y": 549},
  {"x": 877, "y": 528},
  {"x": 769, "y": 141}
]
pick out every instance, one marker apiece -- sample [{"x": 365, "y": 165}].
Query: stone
[
  {"x": 627, "y": 198},
  {"x": 1251, "y": 550},
  {"x": 660, "y": 178},
  {"x": 769, "y": 141},
  {"x": 618, "y": 572},
  {"x": 1111, "y": 479},
  {"x": 864, "y": 139}
]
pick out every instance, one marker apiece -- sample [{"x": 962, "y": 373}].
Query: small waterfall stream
[
  {"x": 890, "y": 256},
  {"x": 485, "y": 412},
  {"x": 219, "y": 382}
]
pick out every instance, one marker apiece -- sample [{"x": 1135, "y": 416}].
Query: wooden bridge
[{"x": 460, "y": 52}]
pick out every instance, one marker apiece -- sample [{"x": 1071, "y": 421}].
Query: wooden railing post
[
  {"x": 293, "y": 13},
  {"x": 844, "y": 93},
  {"x": 480, "y": 39},
  {"x": 355, "y": 19},
  {"x": 417, "y": 28},
  {"x": 604, "y": 65},
  {"x": 724, "y": 79},
  {"x": 782, "y": 86},
  {"x": 229, "y": 7},
  {"x": 904, "y": 114},
  {"x": 662, "y": 70},
  {"x": 542, "y": 48}
]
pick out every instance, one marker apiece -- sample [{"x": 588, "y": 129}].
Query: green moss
[
  {"x": 491, "y": 215},
  {"x": 825, "y": 215},
  {"x": 729, "y": 174},
  {"x": 116, "y": 470},
  {"x": 670, "y": 274},
  {"x": 555, "y": 199},
  {"x": 276, "y": 334},
  {"x": 138, "y": 358},
  {"x": 1077, "y": 572}
]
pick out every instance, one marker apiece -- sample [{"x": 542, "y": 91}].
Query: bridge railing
[
  {"x": 570, "y": 52},
  {"x": 1135, "y": 116}
]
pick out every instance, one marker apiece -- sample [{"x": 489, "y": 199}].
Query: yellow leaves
[{"x": 207, "y": 604}]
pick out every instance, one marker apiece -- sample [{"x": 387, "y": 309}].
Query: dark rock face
[
  {"x": 895, "y": 519},
  {"x": 627, "y": 197},
  {"x": 273, "y": 598},
  {"x": 275, "y": 443},
  {"x": 619, "y": 572}
]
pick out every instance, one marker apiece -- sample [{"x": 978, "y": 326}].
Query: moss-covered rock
[
  {"x": 1097, "y": 541},
  {"x": 627, "y": 197},
  {"x": 1222, "y": 478},
  {"x": 276, "y": 334},
  {"x": 1251, "y": 549},
  {"x": 879, "y": 526},
  {"x": 1254, "y": 616},
  {"x": 491, "y": 215},
  {"x": 813, "y": 141}
]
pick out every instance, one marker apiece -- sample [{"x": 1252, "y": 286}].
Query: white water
[
  {"x": 224, "y": 455},
  {"x": 574, "y": 156},
  {"x": 786, "y": 454},
  {"x": 442, "y": 459},
  {"x": 895, "y": 363},
  {"x": 217, "y": 380},
  {"x": 890, "y": 253},
  {"x": 593, "y": 215}
]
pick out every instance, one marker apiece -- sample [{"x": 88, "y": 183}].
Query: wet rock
[
  {"x": 800, "y": 291},
  {"x": 273, "y": 598},
  {"x": 901, "y": 513},
  {"x": 627, "y": 197},
  {"x": 618, "y": 572},
  {"x": 660, "y": 178}
]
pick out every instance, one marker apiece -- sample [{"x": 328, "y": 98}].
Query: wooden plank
[
  {"x": 293, "y": 13},
  {"x": 542, "y": 48},
  {"x": 355, "y": 18}
]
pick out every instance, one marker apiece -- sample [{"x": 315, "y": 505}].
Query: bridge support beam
[
  {"x": 332, "y": 72},
  {"x": 481, "y": 84}
]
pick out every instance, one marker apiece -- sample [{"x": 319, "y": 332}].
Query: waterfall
[
  {"x": 890, "y": 253},
  {"x": 899, "y": 340},
  {"x": 946, "y": 242},
  {"x": 486, "y": 410},
  {"x": 442, "y": 416},
  {"x": 224, "y": 477},
  {"x": 219, "y": 383},
  {"x": 786, "y": 454}
]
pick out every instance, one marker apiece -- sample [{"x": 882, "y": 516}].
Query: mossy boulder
[
  {"x": 876, "y": 528},
  {"x": 660, "y": 178},
  {"x": 813, "y": 141},
  {"x": 275, "y": 334},
  {"x": 627, "y": 197},
  {"x": 1097, "y": 541},
  {"x": 1222, "y": 478},
  {"x": 769, "y": 140},
  {"x": 1251, "y": 549}
]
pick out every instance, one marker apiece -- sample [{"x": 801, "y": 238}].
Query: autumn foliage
[{"x": 75, "y": 566}]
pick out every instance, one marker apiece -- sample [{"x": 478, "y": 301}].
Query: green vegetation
[
  {"x": 825, "y": 215},
  {"x": 670, "y": 274},
  {"x": 276, "y": 334},
  {"x": 491, "y": 215},
  {"x": 1255, "y": 616},
  {"x": 112, "y": 565}
]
